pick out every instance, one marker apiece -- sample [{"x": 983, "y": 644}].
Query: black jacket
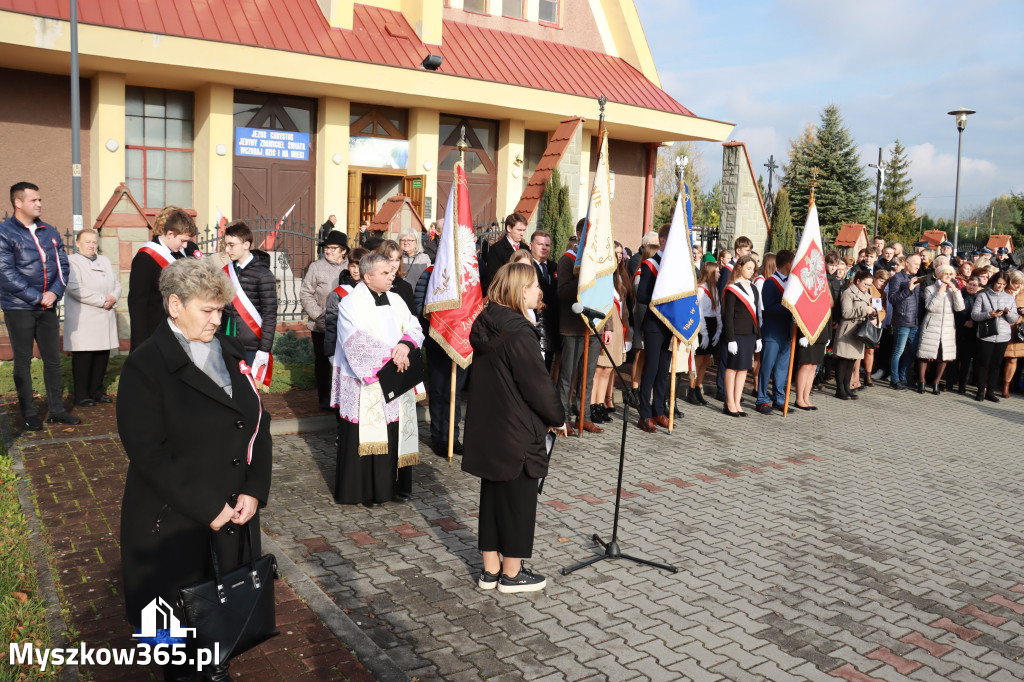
[
  {"x": 259, "y": 285},
  {"x": 547, "y": 318},
  {"x": 644, "y": 294},
  {"x": 145, "y": 304},
  {"x": 187, "y": 444},
  {"x": 513, "y": 401},
  {"x": 569, "y": 323},
  {"x": 498, "y": 254},
  {"x": 736, "y": 317}
]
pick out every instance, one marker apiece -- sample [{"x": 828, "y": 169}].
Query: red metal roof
[
  {"x": 849, "y": 234},
  {"x": 378, "y": 36}
]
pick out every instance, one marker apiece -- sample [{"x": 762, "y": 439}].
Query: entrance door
[
  {"x": 481, "y": 166},
  {"x": 414, "y": 187},
  {"x": 265, "y": 188}
]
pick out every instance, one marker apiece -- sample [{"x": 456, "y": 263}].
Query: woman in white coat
[
  {"x": 937, "y": 341},
  {"x": 90, "y": 323}
]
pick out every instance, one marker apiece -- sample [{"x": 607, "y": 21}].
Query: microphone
[{"x": 581, "y": 309}]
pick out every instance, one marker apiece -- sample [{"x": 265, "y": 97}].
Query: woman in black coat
[
  {"x": 512, "y": 407},
  {"x": 198, "y": 444}
]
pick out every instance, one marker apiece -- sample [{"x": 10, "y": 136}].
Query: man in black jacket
[
  {"x": 657, "y": 347},
  {"x": 501, "y": 250},
  {"x": 326, "y": 229},
  {"x": 255, "y": 292},
  {"x": 547, "y": 277}
]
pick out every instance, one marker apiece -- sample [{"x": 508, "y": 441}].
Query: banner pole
[
  {"x": 583, "y": 380},
  {"x": 789, "y": 377},
  {"x": 672, "y": 387},
  {"x": 451, "y": 417}
]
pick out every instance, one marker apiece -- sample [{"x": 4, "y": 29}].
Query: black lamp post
[{"x": 961, "y": 123}]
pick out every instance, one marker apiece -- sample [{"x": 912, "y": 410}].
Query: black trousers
[
  {"x": 966, "y": 348},
  {"x": 987, "y": 362},
  {"x": 439, "y": 391},
  {"x": 657, "y": 366},
  {"x": 41, "y": 327},
  {"x": 87, "y": 370},
  {"x": 321, "y": 369},
  {"x": 508, "y": 516},
  {"x": 844, "y": 375}
]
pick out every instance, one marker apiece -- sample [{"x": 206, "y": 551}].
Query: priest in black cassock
[{"x": 378, "y": 442}]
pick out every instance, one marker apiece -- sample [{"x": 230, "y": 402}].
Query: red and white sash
[
  {"x": 778, "y": 282},
  {"x": 244, "y": 369},
  {"x": 652, "y": 264},
  {"x": 343, "y": 290},
  {"x": 571, "y": 253},
  {"x": 252, "y": 319},
  {"x": 745, "y": 298},
  {"x": 160, "y": 253}
]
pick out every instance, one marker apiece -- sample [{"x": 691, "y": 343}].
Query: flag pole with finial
[{"x": 462, "y": 146}]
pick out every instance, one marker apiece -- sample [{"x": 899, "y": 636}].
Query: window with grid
[
  {"x": 549, "y": 13},
  {"x": 159, "y": 143}
]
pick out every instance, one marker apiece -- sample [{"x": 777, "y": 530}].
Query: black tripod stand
[{"x": 611, "y": 549}]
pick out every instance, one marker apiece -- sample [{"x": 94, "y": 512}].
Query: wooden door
[
  {"x": 354, "y": 179},
  {"x": 481, "y": 165},
  {"x": 415, "y": 187},
  {"x": 368, "y": 199}
]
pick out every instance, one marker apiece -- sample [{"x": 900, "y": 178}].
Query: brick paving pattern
[
  {"x": 876, "y": 540},
  {"x": 77, "y": 478}
]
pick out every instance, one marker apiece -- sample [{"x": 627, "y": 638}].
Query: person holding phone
[
  {"x": 512, "y": 408},
  {"x": 854, "y": 307},
  {"x": 995, "y": 311},
  {"x": 904, "y": 296}
]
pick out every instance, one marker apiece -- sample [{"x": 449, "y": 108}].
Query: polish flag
[
  {"x": 272, "y": 237},
  {"x": 806, "y": 294}
]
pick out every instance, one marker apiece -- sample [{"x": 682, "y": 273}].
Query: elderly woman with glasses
[
  {"x": 414, "y": 261},
  {"x": 198, "y": 444},
  {"x": 937, "y": 340}
]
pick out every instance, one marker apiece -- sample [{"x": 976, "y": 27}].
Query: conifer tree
[
  {"x": 843, "y": 192},
  {"x": 796, "y": 174},
  {"x": 897, "y": 218},
  {"x": 556, "y": 214},
  {"x": 783, "y": 236}
]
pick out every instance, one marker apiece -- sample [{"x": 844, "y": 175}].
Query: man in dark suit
[
  {"x": 657, "y": 349},
  {"x": 501, "y": 250},
  {"x": 547, "y": 277}
]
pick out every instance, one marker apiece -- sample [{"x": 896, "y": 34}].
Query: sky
[{"x": 894, "y": 68}]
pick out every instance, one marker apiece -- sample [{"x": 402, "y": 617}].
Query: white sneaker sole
[
  {"x": 533, "y": 587},
  {"x": 483, "y": 585}
]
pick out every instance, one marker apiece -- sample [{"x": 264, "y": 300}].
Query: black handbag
[
  {"x": 234, "y": 610},
  {"x": 869, "y": 333},
  {"x": 987, "y": 327}
]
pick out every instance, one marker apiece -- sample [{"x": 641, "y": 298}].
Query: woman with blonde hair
[
  {"x": 1015, "y": 348},
  {"x": 414, "y": 261},
  {"x": 512, "y": 406},
  {"x": 937, "y": 338}
]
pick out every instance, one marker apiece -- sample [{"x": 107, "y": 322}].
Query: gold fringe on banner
[
  {"x": 377, "y": 448},
  {"x": 408, "y": 459}
]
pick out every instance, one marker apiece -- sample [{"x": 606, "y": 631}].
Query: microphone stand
[{"x": 611, "y": 549}]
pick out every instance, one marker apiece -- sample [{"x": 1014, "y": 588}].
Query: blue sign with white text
[{"x": 271, "y": 144}]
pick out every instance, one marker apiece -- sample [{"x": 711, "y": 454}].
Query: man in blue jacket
[
  {"x": 33, "y": 274},
  {"x": 776, "y": 337},
  {"x": 904, "y": 297}
]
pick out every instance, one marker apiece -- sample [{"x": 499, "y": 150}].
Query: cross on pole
[
  {"x": 769, "y": 201},
  {"x": 813, "y": 182}
]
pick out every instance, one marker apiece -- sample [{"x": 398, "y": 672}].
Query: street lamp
[{"x": 961, "y": 115}]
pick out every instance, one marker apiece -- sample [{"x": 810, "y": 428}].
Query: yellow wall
[
  {"x": 425, "y": 18},
  {"x": 107, "y": 123},
  {"x": 214, "y": 125},
  {"x": 332, "y": 159},
  {"x": 423, "y": 131},
  {"x": 511, "y": 143}
]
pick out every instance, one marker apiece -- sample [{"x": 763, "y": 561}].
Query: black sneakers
[
  {"x": 526, "y": 581},
  {"x": 487, "y": 581},
  {"x": 33, "y": 423},
  {"x": 64, "y": 418}
]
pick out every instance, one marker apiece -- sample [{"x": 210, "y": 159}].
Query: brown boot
[{"x": 591, "y": 427}]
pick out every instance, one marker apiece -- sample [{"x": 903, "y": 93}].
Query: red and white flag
[
  {"x": 806, "y": 294},
  {"x": 454, "y": 298},
  {"x": 222, "y": 223},
  {"x": 272, "y": 237}
]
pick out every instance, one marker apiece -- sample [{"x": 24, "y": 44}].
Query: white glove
[
  {"x": 718, "y": 335},
  {"x": 733, "y": 347},
  {"x": 629, "y": 346},
  {"x": 704, "y": 341},
  {"x": 261, "y": 359},
  {"x": 757, "y": 346},
  {"x": 804, "y": 342}
]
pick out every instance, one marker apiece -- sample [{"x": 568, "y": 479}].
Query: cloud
[{"x": 934, "y": 174}]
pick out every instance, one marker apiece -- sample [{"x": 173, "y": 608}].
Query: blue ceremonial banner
[
  {"x": 271, "y": 144},
  {"x": 674, "y": 299}
]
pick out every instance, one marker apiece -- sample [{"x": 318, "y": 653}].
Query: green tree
[
  {"x": 843, "y": 192},
  {"x": 783, "y": 236},
  {"x": 897, "y": 220},
  {"x": 796, "y": 175},
  {"x": 666, "y": 184},
  {"x": 556, "y": 214},
  {"x": 761, "y": 189},
  {"x": 708, "y": 211}
]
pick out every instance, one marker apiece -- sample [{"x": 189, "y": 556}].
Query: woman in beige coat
[
  {"x": 90, "y": 323},
  {"x": 855, "y": 307},
  {"x": 937, "y": 338}
]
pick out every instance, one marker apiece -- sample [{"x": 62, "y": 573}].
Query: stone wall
[{"x": 743, "y": 212}]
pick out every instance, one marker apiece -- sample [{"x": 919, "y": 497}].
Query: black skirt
[
  {"x": 813, "y": 354},
  {"x": 508, "y": 516},
  {"x": 710, "y": 328},
  {"x": 744, "y": 359},
  {"x": 371, "y": 478}
]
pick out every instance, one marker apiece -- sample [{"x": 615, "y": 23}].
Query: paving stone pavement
[{"x": 875, "y": 540}]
